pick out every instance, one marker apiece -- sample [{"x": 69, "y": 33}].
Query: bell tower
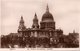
[
  {"x": 35, "y": 22},
  {"x": 21, "y": 25}
]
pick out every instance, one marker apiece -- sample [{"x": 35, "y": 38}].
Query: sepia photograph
[{"x": 40, "y": 24}]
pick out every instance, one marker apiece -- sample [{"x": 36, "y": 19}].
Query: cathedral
[
  {"x": 43, "y": 35},
  {"x": 46, "y": 29}
]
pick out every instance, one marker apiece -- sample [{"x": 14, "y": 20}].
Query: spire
[
  {"x": 21, "y": 17},
  {"x": 21, "y": 21},
  {"x": 35, "y": 17},
  {"x": 47, "y": 9}
]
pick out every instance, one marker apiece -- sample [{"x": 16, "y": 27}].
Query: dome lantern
[{"x": 47, "y": 9}]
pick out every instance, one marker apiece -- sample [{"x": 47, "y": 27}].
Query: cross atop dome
[{"x": 47, "y": 8}]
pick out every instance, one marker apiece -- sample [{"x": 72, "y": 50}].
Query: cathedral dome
[{"x": 47, "y": 16}]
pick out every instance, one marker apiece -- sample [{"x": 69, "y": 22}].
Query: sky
[{"x": 66, "y": 14}]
